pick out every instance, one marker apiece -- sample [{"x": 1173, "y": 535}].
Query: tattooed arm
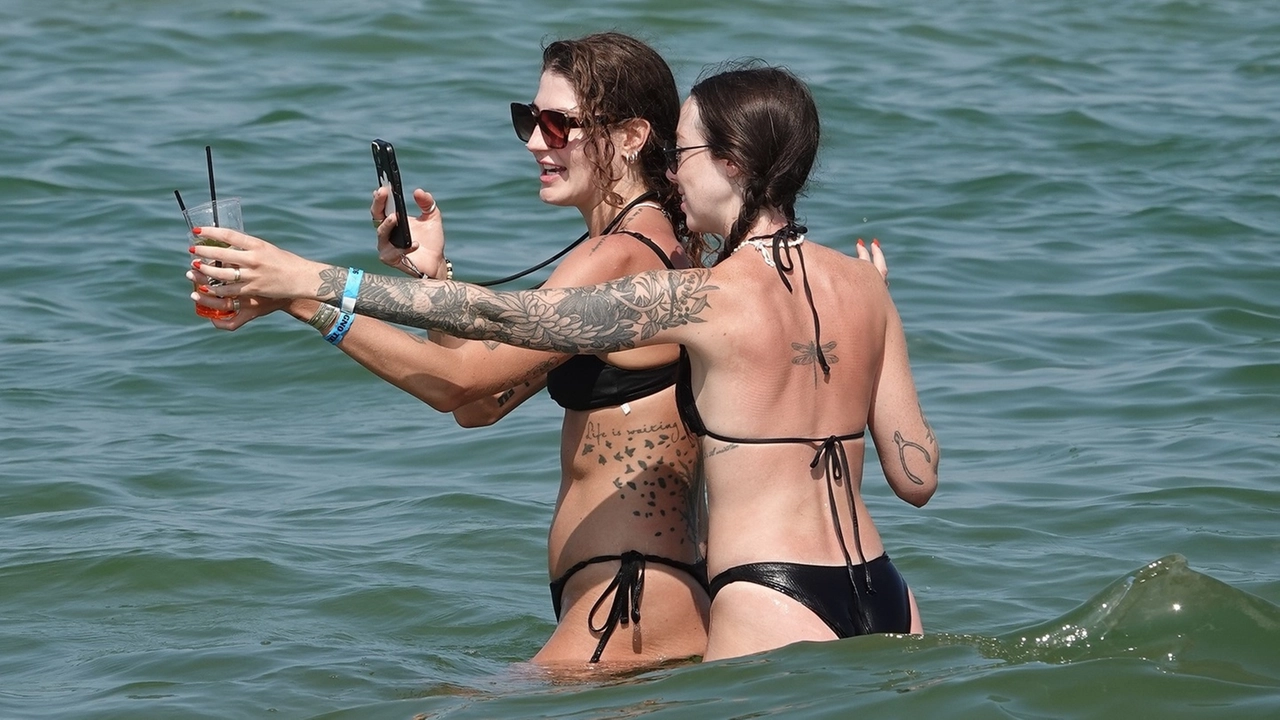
[
  {"x": 904, "y": 440},
  {"x": 651, "y": 308},
  {"x": 446, "y": 376},
  {"x": 489, "y": 410}
]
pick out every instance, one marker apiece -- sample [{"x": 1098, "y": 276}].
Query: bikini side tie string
[{"x": 627, "y": 588}]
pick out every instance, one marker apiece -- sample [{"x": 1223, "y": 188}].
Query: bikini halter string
[
  {"x": 784, "y": 264},
  {"x": 613, "y": 225}
]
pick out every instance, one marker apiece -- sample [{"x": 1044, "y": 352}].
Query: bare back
[{"x": 760, "y": 375}]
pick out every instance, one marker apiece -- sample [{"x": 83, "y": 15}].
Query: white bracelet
[{"x": 352, "y": 290}]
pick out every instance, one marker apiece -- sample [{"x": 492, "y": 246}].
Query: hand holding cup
[
  {"x": 225, "y": 213},
  {"x": 261, "y": 269}
]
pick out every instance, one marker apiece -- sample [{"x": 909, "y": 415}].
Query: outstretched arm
[
  {"x": 650, "y": 308},
  {"x": 645, "y": 309}
]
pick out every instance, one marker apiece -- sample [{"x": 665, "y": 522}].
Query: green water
[{"x": 1080, "y": 203}]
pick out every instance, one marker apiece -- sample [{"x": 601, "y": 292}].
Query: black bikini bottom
[
  {"x": 627, "y": 588},
  {"x": 878, "y": 606}
]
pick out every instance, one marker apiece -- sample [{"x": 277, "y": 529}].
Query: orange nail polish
[
  {"x": 875, "y": 241},
  {"x": 195, "y": 264},
  {"x": 859, "y": 242},
  {"x": 192, "y": 249},
  {"x": 195, "y": 231},
  {"x": 205, "y": 289}
]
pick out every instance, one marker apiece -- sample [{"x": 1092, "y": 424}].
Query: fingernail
[
  {"x": 875, "y": 241},
  {"x": 192, "y": 249},
  {"x": 195, "y": 296},
  {"x": 195, "y": 264},
  {"x": 205, "y": 289},
  {"x": 195, "y": 231},
  {"x": 859, "y": 242}
]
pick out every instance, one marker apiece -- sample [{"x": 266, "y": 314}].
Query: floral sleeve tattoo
[{"x": 612, "y": 316}]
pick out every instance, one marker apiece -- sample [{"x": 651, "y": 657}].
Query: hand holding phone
[{"x": 384, "y": 161}]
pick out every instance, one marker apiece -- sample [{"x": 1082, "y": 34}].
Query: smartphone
[{"x": 384, "y": 161}]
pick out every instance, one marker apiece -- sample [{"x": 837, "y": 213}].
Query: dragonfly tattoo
[{"x": 807, "y": 354}]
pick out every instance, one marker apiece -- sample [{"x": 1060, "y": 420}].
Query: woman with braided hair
[{"x": 792, "y": 352}]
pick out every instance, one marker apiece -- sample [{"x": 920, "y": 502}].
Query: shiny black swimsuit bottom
[{"x": 826, "y": 590}]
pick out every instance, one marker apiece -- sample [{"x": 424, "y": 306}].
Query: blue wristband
[
  {"x": 340, "y": 328},
  {"x": 352, "y": 289}
]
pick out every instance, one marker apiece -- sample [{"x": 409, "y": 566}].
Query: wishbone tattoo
[
  {"x": 903, "y": 444},
  {"x": 612, "y": 316}
]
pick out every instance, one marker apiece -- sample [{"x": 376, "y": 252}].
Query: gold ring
[
  {"x": 376, "y": 224},
  {"x": 235, "y": 305}
]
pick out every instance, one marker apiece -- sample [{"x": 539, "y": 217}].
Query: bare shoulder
[
  {"x": 849, "y": 267},
  {"x": 616, "y": 255}
]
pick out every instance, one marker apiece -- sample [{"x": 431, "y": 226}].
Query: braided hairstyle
[
  {"x": 616, "y": 78},
  {"x": 763, "y": 120}
]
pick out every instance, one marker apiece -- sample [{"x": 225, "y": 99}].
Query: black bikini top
[
  {"x": 830, "y": 451},
  {"x": 585, "y": 382},
  {"x": 687, "y": 405}
]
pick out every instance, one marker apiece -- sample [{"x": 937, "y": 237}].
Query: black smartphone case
[{"x": 384, "y": 161}]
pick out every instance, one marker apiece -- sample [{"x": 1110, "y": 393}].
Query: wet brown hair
[
  {"x": 616, "y": 78},
  {"x": 763, "y": 120}
]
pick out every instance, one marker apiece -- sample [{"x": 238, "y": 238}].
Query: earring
[{"x": 631, "y": 157}]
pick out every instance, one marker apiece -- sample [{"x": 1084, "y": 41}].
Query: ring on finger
[
  {"x": 235, "y": 305},
  {"x": 236, "y": 278},
  {"x": 375, "y": 222},
  {"x": 428, "y": 211}
]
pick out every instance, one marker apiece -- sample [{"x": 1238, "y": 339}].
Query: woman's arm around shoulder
[{"x": 600, "y": 259}]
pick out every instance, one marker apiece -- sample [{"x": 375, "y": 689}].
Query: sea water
[{"x": 1079, "y": 202}]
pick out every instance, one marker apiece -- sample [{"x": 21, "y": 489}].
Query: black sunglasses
[
  {"x": 673, "y": 155},
  {"x": 554, "y": 124}
]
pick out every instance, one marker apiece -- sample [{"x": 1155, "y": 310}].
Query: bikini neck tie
[{"x": 782, "y": 261}]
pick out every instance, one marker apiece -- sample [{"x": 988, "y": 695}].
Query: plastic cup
[{"x": 203, "y": 216}]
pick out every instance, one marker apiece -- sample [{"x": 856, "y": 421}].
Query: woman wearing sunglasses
[
  {"x": 625, "y": 542},
  {"x": 793, "y": 353}
]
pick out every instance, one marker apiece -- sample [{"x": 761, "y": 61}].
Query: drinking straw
[
  {"x": 182, "y": 206},
  {"x": 213, "y": 193}
]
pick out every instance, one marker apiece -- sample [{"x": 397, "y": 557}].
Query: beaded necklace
[{"x": 764, "y": 243}]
